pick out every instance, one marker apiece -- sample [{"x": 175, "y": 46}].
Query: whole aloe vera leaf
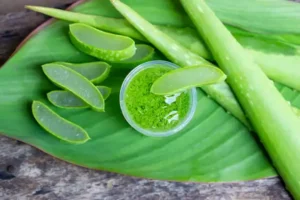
[
  {"x": 277, "y": 125},
  {"x": 96, "y": 72},
  {"x": 102, "y": 45},
  {"x": 183, "y": 57},
  {"x": 66, "y": 99},
  {"x": 57, "y": 125},
  {"x": 271, "y": 57}
]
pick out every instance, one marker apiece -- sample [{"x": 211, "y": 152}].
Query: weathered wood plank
[{"x": 27, "y": 173}]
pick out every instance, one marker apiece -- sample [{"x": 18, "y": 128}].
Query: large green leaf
[{"x": 215, "y": 146}]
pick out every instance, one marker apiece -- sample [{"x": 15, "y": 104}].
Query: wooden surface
[{"x": 27, "y": 173}]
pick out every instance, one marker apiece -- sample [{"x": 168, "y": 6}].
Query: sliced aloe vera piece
[
  {"x": 143, "y": 54},
  {"x": 105, "y": 91},
  {"x": 185, "y": 78},
  {"x": 102, "y": 45},
  {"x": 96, "y": 72},
  {"x": 74, "y": 82},
  {"x": 58, "y": 126},
  {"x": 65, "y": 99}
]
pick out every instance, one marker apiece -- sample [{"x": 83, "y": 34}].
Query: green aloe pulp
[
  {"x": 215, "y": 146},
  {"x": 186, "y": 78},
  {"x": 153, "y": 112},
  {"x": 58, "y": 126},
  {"x": 65, "y": 99},
  {"x": 74, "y": 82},
  {"x": 102, "y": 45},
  {"x": 96, "y": 72}
]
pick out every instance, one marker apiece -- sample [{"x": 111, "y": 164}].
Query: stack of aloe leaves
[{"x": 219, "y": 144}]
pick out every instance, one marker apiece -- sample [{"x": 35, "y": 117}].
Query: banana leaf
[{"x": 215, "y": 147}]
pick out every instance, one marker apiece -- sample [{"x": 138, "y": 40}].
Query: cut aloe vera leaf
[
  {"x": 105, "y": 91},
  {"x": 186, "y": 78},
  {"x": 143, "y": 54},
  {"x": 96, "y": 72},
  {"x": 102, "y": 45},
  {"x": 74, "y": 82},
  {"x": 66, "y": 99},
  {"x": 57, "y": 125},
  {"x": 183, "y": 57}
]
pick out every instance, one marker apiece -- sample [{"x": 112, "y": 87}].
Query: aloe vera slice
[
  {"x": 143, "y": 54},
  {"x": 65, "y": 99},
  {"x": 58, "y": 126},
  {"x": 102, "y": 45},
  {"x": 96, "y": 72},
  {"x": 185, "y": 78},
  {"x": 105, "y": 91},
  {"x": 74, "y": 82}
]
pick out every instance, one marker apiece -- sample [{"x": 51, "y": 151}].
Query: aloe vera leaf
[
  {"x": 105, "y": 91},
  {"x": 143, "y": 54},
  {"x": 279, "y": 61},
  {"x": 96, "y": 72},
  {"x": 66, "y": 99},
  {"x": 119, "y": 26},
  {"x": 188, "y": 38},
  {"x": 102, "y": 45},
  {"x": 58, "y": 126},
  {"x": 181, "y": 56},
  {"x": 277, "y": 125},
  {"x": 186, "y": 78},
  {"x": 287, "y": 69},
  {"x": 74, "y": 82},
  {"x": 280, "y": 54}
]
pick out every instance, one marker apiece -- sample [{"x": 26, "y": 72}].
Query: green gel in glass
[{"x": 150, "y": 111}]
